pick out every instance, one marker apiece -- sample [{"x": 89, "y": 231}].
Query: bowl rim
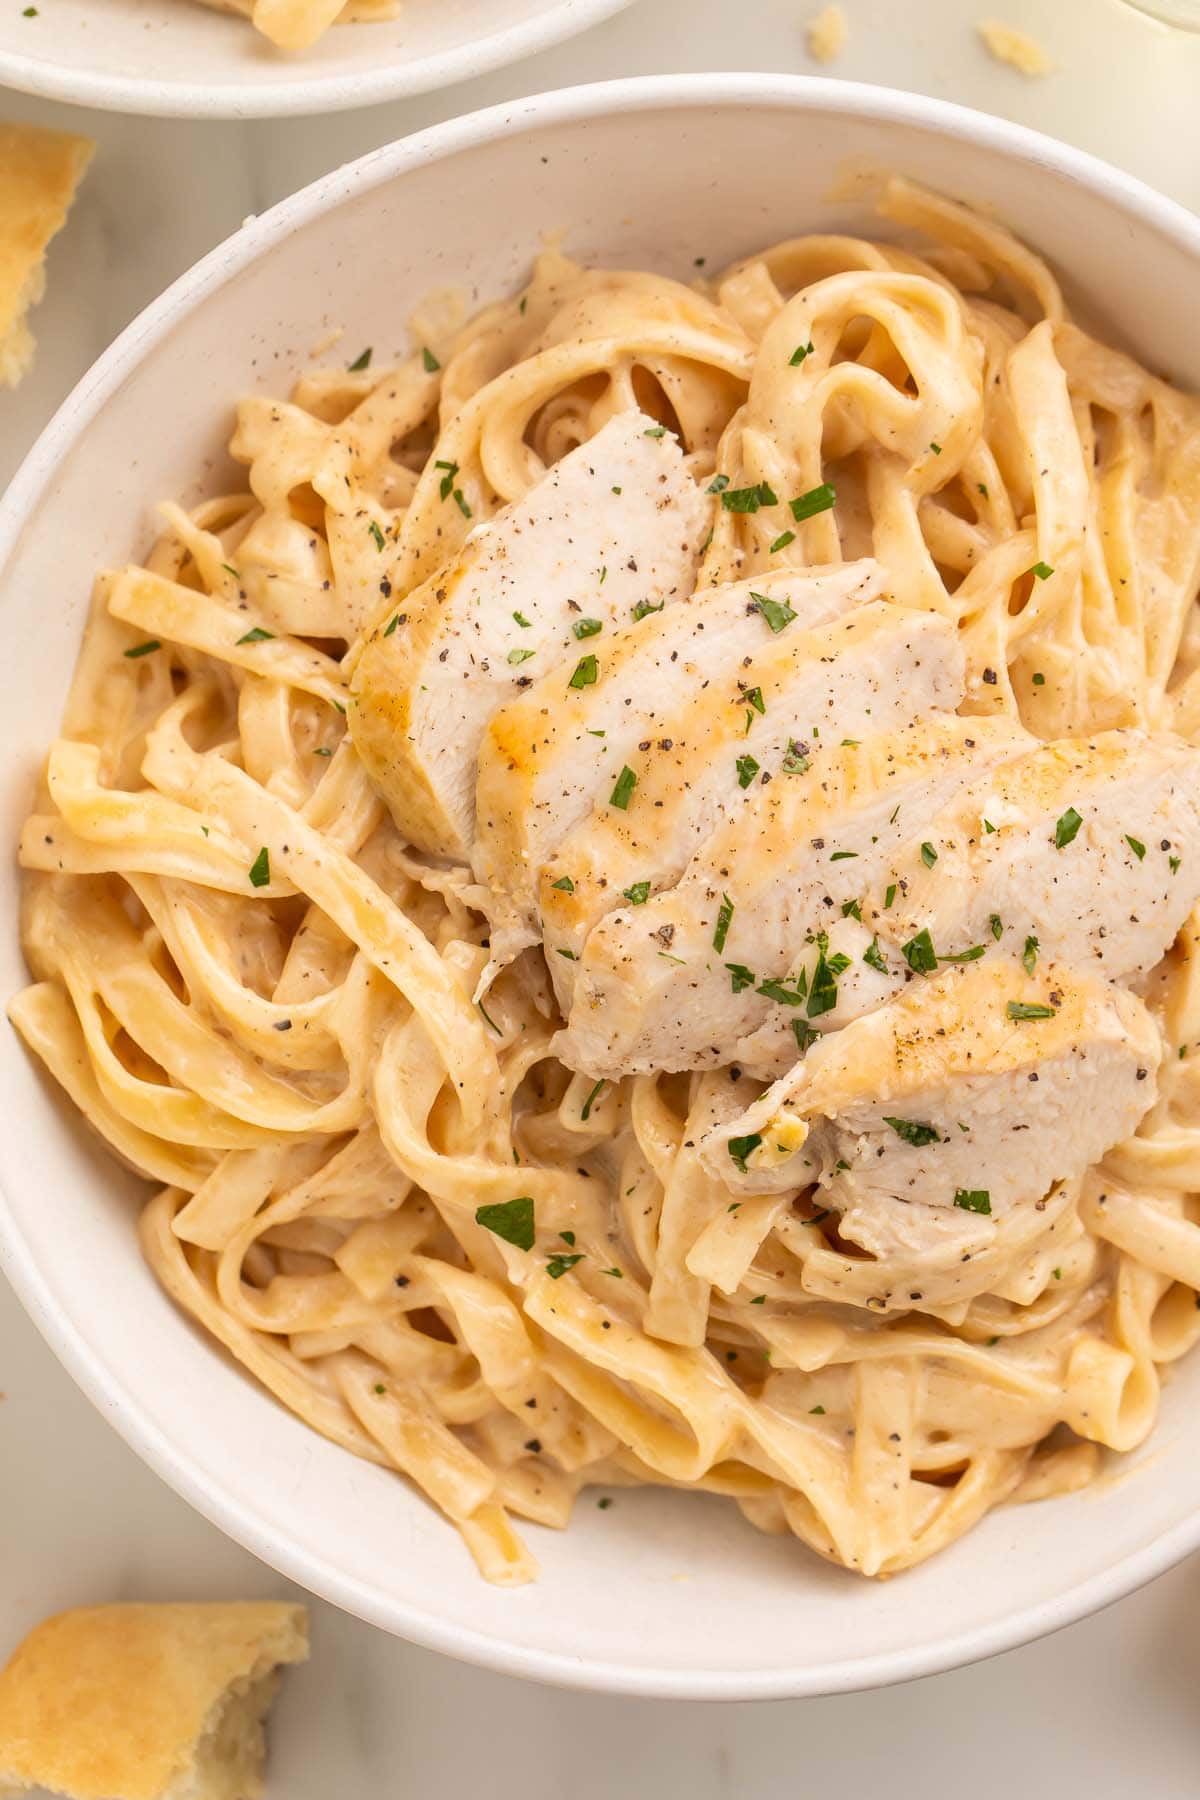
[
  {"x": 179, "y": 1466},
  {"x": 311, "y": 93}
]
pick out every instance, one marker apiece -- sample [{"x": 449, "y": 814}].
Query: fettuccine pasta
[
  {"x": 297, "y": 24},
  {"x": 296, "y": 1025}
]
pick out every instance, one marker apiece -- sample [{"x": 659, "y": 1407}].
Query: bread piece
[
  {"x": 146, "y": 1702},
  {"x": 39, "y": 172}
]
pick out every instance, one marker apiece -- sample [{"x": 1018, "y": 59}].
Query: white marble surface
[{"x": 1107, "y": 1707}]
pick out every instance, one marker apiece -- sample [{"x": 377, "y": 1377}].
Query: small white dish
[
  {"x": 660, "y": 1594},
  {"x": 178, "y": 59}
]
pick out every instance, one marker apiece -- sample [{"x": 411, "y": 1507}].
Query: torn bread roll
[
  {"x": 146, "y": 1702},
  {"x": 39, "y": 173}
]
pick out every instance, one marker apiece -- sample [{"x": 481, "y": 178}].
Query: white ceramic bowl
[
  {"x": 660, "y": 1594},
  {"x": 180, "y": 60}
]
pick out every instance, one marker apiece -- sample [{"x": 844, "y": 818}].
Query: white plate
[
  {"x": 660, "y": 1594},
  {"x": 179, "y": 59}
]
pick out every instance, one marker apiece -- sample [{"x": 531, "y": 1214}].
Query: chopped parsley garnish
[
  {"x": 775, "y": 989},
  {"x": 782, "y": 541},
  {"x": 432, "y": 365},
  {"x": 718, "y": 484},
  {"x": 638, "y": 894},
  {"x": 962, "y": 956},
  {"x": 391, "y": 625},
  {"x": 1039, "y": 680},
  {"x": 144, "y": 649},
  {"x": 936, "y": 448},
  {"x": 510, "y": 1219},
  {"x": 777, "y": 613},
  {"x": 1173, "y": 863},
  {"x": 996, "y": 924},
  {"x": 256, "y": 635},
  {"x": 976, "y": 1200},
  {"x": 805, "y": 1034},
  {"x": 586, "y": 628},
  {"x": 749, "y": 499},
  {"x": 446, "y": 485},
  {"x": 799, "y": 353},
  {"x": 889, "y": 896},
  {"x": 724, "y": 920},
  {"x": 613, "y": 1271},
  {"x": 817, "y": 500},
  {"x": 1135, "y": 844},
  {"x": 1042, "y": 570},
  {"x": 873, "y": 957},
  {"x": 522, "y": 621},
  {"x": 852, "y": 909},
  {"x": 585, "y": 1111},
  {"x": 742, "y": 1147},
  {"x": 375, "y": 532},
  {"x": 759, "y": 1300},
  {"x": 461, "y": 504},
  {"x": 1029, "y": 955},
  {"x": 586, "y": 671},
  {"x": 795, "y": 761},
  {"x": 230, "y": 570},
  {"x": 823, "y": 993},
  {"x": 755, "y": 699},
  {"x": 928, "y": 855},
  {"x": 819, "y": 1410},
  {"x": 558, "y": 1265},
  {"x": 516, "y": 657},
  {"x": 565, "y": 886},
  {"x": 260, "y": 869},
  {"x": 656, "y": 431},
  {"x": 740, "y": 976},
  {"x": 362, "y": 361},
  {"x": 988, "y": 826},
  {"x": 920, "y": 954},
  {"x": 623, "y": 789},
  {"x": 487, "y": 1015},
  {"x": 982, "y": 487},
  {"x": 914, "y": 1131},
  {"x": 568, "y": 954},
  {"x": 1066, "y": 828},
  {"x": 842, "y": 855},
  {"x": 1028, "y": 1009},
  {"x": 644, "y": 608},
  {"x": 322, "y": 750},
  {"x": 747, "y": 769}
]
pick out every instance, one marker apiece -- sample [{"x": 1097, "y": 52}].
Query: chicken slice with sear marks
[
  {"x": 771, "y": 888},
  {"x": 1085, "y": 851},
  {"x": 963, "y": 1097},
  {"x": 881, "y": 666},
  {"x": 616, "y": 523},
  {"x": 549, "y": 756}
]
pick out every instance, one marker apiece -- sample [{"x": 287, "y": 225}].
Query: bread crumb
[
  {"x": 827, "y": 34},
  {"x": 39, "y": 172},
  {"x": 1013, "y": 47}
]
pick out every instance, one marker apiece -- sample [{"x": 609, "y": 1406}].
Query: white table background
[{"x": 1108, "y": 1707}]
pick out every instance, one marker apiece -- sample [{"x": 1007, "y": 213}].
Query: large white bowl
[
  {"x": 660, "y": 1594},
  {"x": 181, "y": 60}
]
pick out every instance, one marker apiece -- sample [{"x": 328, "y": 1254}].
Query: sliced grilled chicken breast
[
  {"x": 970, "y": 1093},
  {"x": 1090, "y": 845},
  {"x": 617, "y": 523},
  {"x": 548, "y": 757},
  {"x": 882, "y": 665},
  {"x": 763, "y": 895},
  {"x": 1086, "y": 851}
]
